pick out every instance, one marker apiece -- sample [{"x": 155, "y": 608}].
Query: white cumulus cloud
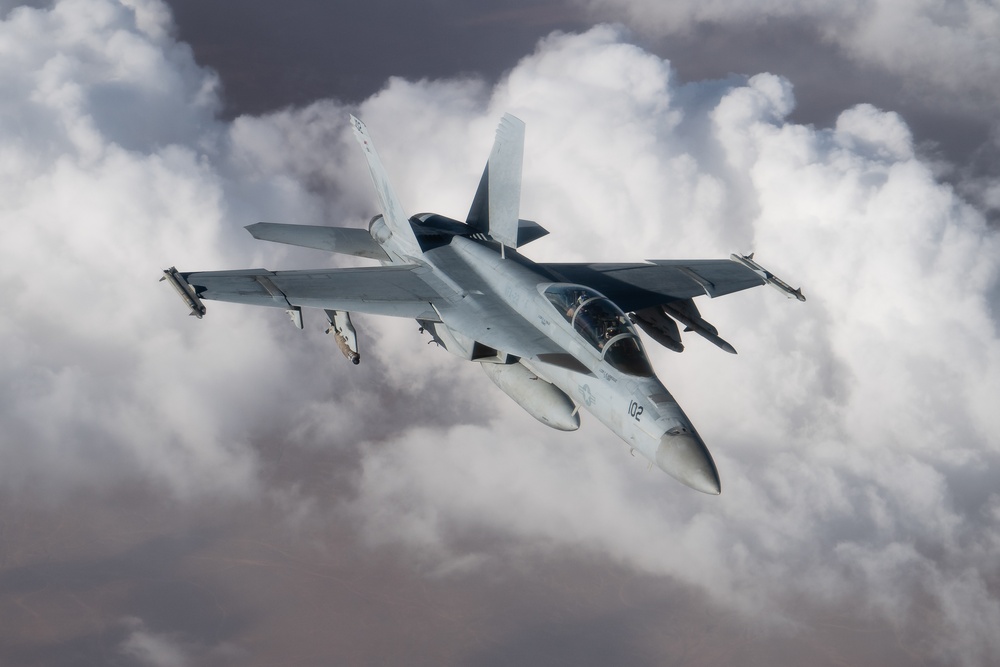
[
  {"x": 113, "y": 166},
  {"x": 854, "y": 433},
  {"x": 847, "y": 429},
  {"x": 951, "y": 47}
]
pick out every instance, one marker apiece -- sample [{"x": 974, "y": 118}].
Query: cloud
[
  {"x": 935, "y": 63},
  {"x": 848, "y": 427},
  {"x": 854, "y": 433},
  {"x": 150, "y": 649},
  {"x": 113, "y": 166},
  {"x": 950, "y": 48},
  {"x": 143, "y": 647}
]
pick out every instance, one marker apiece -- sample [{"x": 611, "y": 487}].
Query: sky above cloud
[{"x": 230, "y": 491}]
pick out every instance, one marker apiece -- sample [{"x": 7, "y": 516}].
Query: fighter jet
[{"x": 556, "y": 338}]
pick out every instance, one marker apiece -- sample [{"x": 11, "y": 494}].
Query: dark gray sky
[
  {"x": 311, "y": 50},
  {"x": 232, "y": 492}
]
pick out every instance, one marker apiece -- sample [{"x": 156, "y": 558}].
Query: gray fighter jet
[{"x": 554, "y": 337}]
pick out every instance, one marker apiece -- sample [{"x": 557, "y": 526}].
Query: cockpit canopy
[{"x": 603, "y": 325}]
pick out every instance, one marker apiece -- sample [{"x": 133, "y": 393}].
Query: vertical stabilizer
[
  {"x": 397, "y": 221},
  {"x": 497, "y": 202}
]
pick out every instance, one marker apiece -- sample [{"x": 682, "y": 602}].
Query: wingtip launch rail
[
  {"x": 185, "y": 291},
  {"x": 771, "y": 279}
]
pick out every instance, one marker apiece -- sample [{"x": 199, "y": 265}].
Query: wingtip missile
[
  {"x": 185, "y": 291},
  {"x": 768, "y": 277}
]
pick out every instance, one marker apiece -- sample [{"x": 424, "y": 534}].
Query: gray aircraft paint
[{"x": 483, "y": 301}]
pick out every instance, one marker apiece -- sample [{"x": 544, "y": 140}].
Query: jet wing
[
  {"x": 380, "y": 290},
  {"x": 643, "y": 285}
]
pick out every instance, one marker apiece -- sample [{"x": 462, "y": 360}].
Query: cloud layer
[
  {"x": 937, "y": 62},
  {"x": 854, "y": 433},
  {"x": 950, "y": 47}
]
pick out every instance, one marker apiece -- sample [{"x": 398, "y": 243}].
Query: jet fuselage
[{"x": 490, "y": 291}]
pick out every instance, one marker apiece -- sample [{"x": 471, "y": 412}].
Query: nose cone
[{"x": 683, "y": 456}]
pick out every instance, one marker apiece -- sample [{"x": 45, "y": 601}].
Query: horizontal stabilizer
[
  {"x": 528, "y": 231},
  {"x": 349, "y": 241}
]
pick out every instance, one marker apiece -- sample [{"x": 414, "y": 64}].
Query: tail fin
[
  {"x": 498, "y": 200},
  {"x": 397, "y": 221}
]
